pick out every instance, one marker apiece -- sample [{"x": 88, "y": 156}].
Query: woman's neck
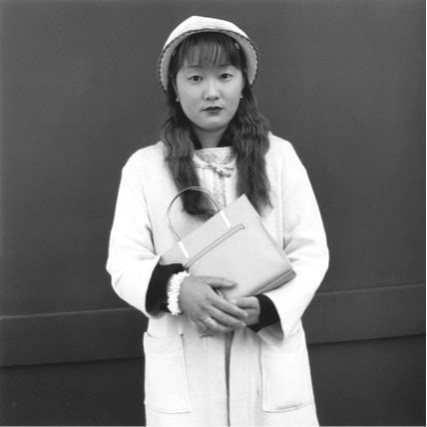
[
  {"x": 224, "y": 142},
  {"x": 208, "y": 139}
]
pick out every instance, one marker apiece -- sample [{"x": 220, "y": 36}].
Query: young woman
[{"x": 210, "y": 361}]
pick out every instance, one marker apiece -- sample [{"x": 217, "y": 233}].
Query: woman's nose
[{"x": 211, "y": 90}]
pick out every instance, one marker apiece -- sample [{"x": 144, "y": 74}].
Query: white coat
[{"x": 269, "y": 380}]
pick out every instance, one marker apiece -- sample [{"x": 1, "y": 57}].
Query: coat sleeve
[
  {"x": 131, "y": 256},
  {"x": 304, "y": 243}
]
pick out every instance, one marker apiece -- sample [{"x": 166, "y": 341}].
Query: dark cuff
[
  {"x": 268, "y": 314},
  {"x": 157, "y": 288}
]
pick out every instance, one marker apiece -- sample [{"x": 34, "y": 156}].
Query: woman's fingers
[
  {"x": 245, "y": 302},
  {"x": 215, "y": 326},
  {"x": 219, "y": 282},
  {"x": 206, "y": 327},
  {"x": 229, "y": 308},
  {"x": 252, "y": 307},
  {"x": 203, "y": 328},
  {"x": 219, "y": 301},
  {"x": 201, "y": 301},
  {"x": 225, "y": 319},
  {"x": 211, "y": 326}
]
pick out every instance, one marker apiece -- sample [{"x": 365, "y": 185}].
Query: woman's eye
[
  {"x": 195, "y": 78},
  {"x": 226, "y": 76}
]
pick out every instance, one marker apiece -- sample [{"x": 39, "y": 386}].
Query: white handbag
[{"x": 233, "y": 244}]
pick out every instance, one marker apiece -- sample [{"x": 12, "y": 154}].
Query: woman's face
[{"x": 209, "y": 96}]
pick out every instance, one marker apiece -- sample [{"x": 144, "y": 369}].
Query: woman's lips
[{"x": 212, "y": 111}]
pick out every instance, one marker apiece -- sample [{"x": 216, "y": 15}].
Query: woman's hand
[
  {"x": 209, "y": 311},
  {"x": 252, "y": 308}
]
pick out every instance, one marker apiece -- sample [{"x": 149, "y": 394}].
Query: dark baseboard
[{"x": 390, "y": 311}]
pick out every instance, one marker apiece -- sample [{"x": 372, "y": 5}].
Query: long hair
[{"x": 247, "y": 131}]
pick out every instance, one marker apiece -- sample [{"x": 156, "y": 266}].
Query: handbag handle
[{"x": 203, "y": 191}]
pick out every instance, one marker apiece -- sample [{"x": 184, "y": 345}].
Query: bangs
[{"x": 208, "y": 50}]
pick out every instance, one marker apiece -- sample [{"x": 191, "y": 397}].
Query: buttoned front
[{"x": 266, "y": 379}]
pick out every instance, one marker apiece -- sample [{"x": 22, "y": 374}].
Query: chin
[{"x": 214, "y": 127}]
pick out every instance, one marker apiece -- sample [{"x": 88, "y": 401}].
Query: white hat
[{"x": 200, "y": 24}]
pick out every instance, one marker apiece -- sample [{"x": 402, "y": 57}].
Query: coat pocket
[
  {"x": 166, "y": 386},
  {"x": 286, "y": 378}
]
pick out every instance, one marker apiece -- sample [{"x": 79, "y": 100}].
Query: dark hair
[{"x": 247, "y": 131}]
